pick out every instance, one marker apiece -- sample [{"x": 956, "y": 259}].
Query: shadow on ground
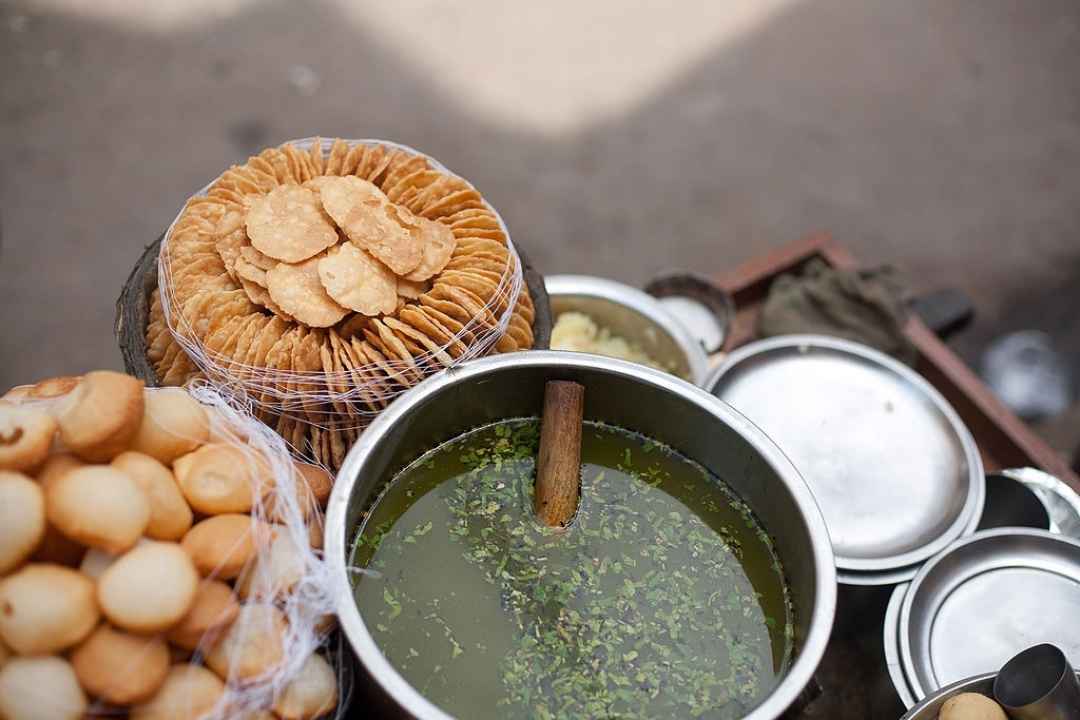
[{"x": 943, "y": 139}]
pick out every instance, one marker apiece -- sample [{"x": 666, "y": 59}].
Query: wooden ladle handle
[{"x": 558, "y": 466}]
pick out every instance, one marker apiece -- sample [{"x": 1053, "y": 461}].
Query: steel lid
[
  {"x": 896, "y": 473},
  {"x": 989, "y": 596}
]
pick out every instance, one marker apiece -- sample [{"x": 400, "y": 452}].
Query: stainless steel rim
[
  {"x": 891, "y": 637},
  {"x": 972, "y": 509},
  {"x": 899, "y": 575},
  {"x": 875, "y": 579},
  {"x": 640, "y": 302},
  {"x": 904, "y": 628},
  {"x": 961, "y": 686},
  {"x": 821, "y": 620}
]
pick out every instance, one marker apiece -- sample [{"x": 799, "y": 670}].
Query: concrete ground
[{"x": 616, "y": 138}]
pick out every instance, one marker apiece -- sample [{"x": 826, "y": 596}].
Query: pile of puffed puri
[
  {"x": 157, "y": 557},
  {"x": 323, "y": 282}
]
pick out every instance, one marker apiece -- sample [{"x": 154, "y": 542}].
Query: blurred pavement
[{"x": 615, "y": 138}]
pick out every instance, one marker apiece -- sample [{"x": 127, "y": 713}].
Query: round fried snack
[
  {"x": 173, "y": 423},
  {"x": 170, "y": 516},
  {"x": 214, "y": 609},
  {"x": 310, "y": 493},
  {"x": 275, "y": 571},
  {"x": 220, "y": 546},
  {"x": 298, "y": 290},
  {"x": 189, "y": 691},
  {"x": 289, "y": 224},
  {"x": 100, "y": 417},
  {"x": 56, "y": 466},
  {"x": 40, "y": 688},
  {"x": 99, "y": 506},
  {"x": 411, "y": 290},
  {"x": 438, "y": 242},
  {"x": 219, "y": 478},
  {"x": 120, "y": 668},
  {"x": 26, "y": 434},
  {"x": 149, "y": 589},
  {"x": 318, "y": 481},
  {"x": 374, "y": 223},
  {"x": 22, "y": 518},
  {"x": 313, "y": 692},
  {"x": 357, "y": 281},
  {"x": 252, "y": 646},
  {"x": 55, "y": 547},
  {"x": 95, "y": 562},
  {"x": 53, "y": 387},
  {"x": 46, "y": 608}
]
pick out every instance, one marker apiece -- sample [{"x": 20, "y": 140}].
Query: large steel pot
[{"x": 632, "y": 396}]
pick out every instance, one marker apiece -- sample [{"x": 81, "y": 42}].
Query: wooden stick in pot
[{"x": 558, "y": 466}]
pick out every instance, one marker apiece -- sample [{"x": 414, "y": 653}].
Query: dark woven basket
[{"x": 133, "y": 311}]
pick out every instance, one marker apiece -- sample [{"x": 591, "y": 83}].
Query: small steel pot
[
  {"x": 634, "y": 315},
  {"x": 618, "y": 392}
]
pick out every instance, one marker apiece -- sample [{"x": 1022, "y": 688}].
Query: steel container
[
  {"x": 632, "y": 396},
  {"x": 633, "y": 315}
]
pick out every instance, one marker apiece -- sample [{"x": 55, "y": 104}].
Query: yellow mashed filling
[{"x": 578, "y": 332}]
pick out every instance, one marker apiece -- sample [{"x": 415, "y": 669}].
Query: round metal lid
[
  {"x": 895, "y": 576},
  {"x": 985, "y": 599},
  {"x": 893, "y": 468}
]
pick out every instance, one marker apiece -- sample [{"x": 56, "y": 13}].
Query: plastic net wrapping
[
  {"x": 320, "y": 373},
  {"x": 186, "y": 544}
]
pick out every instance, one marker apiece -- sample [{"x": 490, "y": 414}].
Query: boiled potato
[
  {"x": 189, "y": 692},
  {"x": 971, "y": 706},
  {"x": 214, "y": 609},
  {"x": 46, "y": 608},
  {"x": 313, "y": 692},
  {"x": 99, "y": 506},
  {"x": 173, "y": 424},
  {"x": 218, "y": 479},
  {"x": 26, "y": 434},
  {"x": 149, "y": 589},
  {"x": 221, "y": 545},
  {"x": 121, "y": 668},
  {"x": 22, "y": 518},
  {"x": 252, "y": 646},
  {"x": 40, "y": 688},
  {"x": 170, "y": 516},
  {"x": 100, "y": 417}
]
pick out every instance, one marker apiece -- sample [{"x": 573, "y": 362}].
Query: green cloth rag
[{"x": 865, "y": 306}]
